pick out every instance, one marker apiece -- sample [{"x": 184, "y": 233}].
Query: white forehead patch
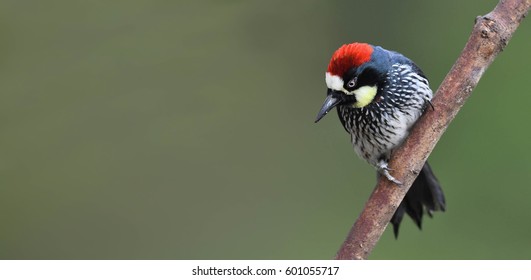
[{"x": 334, "y": 82}]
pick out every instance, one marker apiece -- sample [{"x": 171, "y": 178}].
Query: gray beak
[{"x": 329, "y": 103}]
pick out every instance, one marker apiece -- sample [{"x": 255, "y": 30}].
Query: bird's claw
[
  {"x": 389, "y": 177},
  {"x": 384, "y": 170}
]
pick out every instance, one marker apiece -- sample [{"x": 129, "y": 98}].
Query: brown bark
[{"x": 490, "y": 35}]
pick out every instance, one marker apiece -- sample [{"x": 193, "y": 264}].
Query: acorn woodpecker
[{"x": 379, "y": 95}]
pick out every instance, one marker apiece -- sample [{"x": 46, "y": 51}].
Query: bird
[{"x": 379, "y": 95}]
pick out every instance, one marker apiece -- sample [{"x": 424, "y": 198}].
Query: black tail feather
[{"x": 425, "y": 193}]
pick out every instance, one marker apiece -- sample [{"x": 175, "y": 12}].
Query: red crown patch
[{"x": 348, "y": 56}]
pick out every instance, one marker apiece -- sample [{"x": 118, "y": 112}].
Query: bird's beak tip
[
  {"x": 329, "y": 103},
  {"x": 319, "y": 117}
]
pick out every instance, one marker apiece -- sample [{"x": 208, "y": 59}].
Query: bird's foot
[{"x": 384, "y": 170}]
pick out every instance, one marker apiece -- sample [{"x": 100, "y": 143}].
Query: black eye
[{"x": 352, "y": 82}]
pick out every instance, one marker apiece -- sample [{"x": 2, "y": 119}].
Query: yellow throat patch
[{"x": 364, "y": 95}]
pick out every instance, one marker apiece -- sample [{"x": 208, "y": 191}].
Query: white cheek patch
[{"x": 334, "y": 82}]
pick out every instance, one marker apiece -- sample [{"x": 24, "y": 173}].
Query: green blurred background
[{"x": 184, "y": 130}]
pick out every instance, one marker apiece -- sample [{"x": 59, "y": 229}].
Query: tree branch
[{"x": 490, "y": 35}]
